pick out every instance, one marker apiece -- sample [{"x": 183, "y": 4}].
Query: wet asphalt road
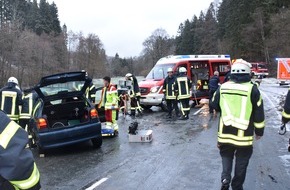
[{"x": 182, "y": 155}]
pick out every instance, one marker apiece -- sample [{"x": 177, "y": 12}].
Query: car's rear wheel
[{"x": 97, "y": 142}]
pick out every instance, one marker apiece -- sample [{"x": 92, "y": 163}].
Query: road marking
[{"x": 97, "y": 183}]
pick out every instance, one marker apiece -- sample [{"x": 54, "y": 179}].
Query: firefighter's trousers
[
  {"x": 184, "y": 106},
  {"x": 242, "y": 156},
  {"x": 172, "y": 104}
]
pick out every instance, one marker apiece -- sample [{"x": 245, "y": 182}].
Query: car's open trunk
[{"x": 66, "y": 113}]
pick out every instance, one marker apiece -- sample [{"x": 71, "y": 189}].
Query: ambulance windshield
[{"x": 159, "y": 71}]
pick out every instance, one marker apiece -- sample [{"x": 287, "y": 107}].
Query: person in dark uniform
[
  {"x": 286, "y": 114},
  {"x": 11, "y": 99},
  {"x": 18, "y": 170},
  {"x": 182, "y": 90},
  {"x": 168, "y": 90},
  {"x": 134, "y": 94},
  {"x": 242, "y": 115},
  {"x": 213, "y": 86},
  {"x": 228, "y": 73}
]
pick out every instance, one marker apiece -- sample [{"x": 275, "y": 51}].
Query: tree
[{"x": 158, "y": 45}]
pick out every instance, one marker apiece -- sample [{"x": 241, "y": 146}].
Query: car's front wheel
[{"x": 97, "y": 142}]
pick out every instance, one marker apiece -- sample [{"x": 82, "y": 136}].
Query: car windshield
[
  {"x": 159, "y": 71},
  {"x": 59, "y": 88}
]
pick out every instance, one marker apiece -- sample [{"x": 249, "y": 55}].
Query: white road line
[{"x": 97, "y": 184}]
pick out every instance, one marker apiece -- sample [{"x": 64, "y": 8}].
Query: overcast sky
[{"x": 123, "y": 25}]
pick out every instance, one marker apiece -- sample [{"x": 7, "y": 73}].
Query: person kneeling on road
[
  {"x": 18, "y": 170},
  {"x": 242, "y": 115}
]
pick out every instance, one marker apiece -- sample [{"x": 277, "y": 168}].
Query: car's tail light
[
  {"x": 41, "y": 123},
  {"x": 94, "y": 113}
]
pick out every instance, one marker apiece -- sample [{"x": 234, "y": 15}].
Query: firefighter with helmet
[
  {"x": 242, "y": 115},
  {"x": 134, "y": 94},
  {"x": 11, "y": 99},
  {"x": 168, "y": 90},
  {"x": 17, "y": 167},
  {"x": 182, "y": 88}
]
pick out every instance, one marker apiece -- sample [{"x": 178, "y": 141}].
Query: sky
[{"x": 123, "y": 25}]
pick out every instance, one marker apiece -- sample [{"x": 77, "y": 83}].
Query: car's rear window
[{"x": 60, "y": 88}]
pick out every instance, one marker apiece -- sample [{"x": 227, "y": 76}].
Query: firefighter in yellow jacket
[
  {"x": 242, "y": 116},
  {"x": 18, "y": 170},
  {"x": 109, "y": 100},
  {"x": 182, "y": 88},
  {"x": 11, "y": 99},
  {"x": 134, "y": 94}
]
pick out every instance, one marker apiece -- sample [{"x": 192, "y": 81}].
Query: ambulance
[
  {"x": 283, "y": 71},
  {"x": 199, "y": 69}
]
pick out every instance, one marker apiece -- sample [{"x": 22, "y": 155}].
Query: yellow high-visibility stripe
[
  {"x": 259, "y": 102},
  {"x": 12, "y": 95},
  {"x": 238, "y": 143},
  {"x": 230, "y": 136},
  {"x": 259, "y": 125},
  {"x": 241, "y": 133},
  {"x": 30, "y": 182},
  {"x": 92, "y": 87},
  {"x": 8, "y": 133},
  {"x": 286, "y": 115}
]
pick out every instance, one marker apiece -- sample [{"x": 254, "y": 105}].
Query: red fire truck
[
  {"x": 200, "y": 68},
  {"x": 260, "y": 69}
]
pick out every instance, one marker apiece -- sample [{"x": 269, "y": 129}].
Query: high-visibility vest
[
  {"x": 17, "y": 162},
  {"x": 182, "y": 86},
  {"x": 111, "y": 98},
  {"x": 236, "y": 105},
  {"x": 9, "y": 103},
  {"x": 103, "y": 98}
]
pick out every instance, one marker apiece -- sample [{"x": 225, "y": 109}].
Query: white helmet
[
  {"x": 128, "y": 75},
  {"x": 169, "y": 70},
  {"x": 13, "y": 80},
  {"x": 241, "y": 66},
  {"x": 182, "y": 70}
]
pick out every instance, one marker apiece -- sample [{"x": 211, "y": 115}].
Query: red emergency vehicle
[
  {"x": 260, "y": 69},
  {"x": 199, "y": 69},
  {"x": 283, "y": 71}
]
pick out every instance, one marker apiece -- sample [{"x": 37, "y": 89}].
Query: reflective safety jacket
[
  {"x": 182, "y": 87},
  {"x": 10, "y": 100},
  {"x": 168, "y": 88},
  {"x": 17, "y": 163},
  {"x": 112, "y": 98},
  {"x": 286, "y": 111},
  {"x": 91, "y": 93},
  {"x": 135, "y": 91},
  {"x": 242, "y": 113},
  {"x": 109, "y": 97},
  {"x": 28, "y": 103}
]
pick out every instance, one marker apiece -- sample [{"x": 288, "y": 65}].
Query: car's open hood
[{"x": 63, "y": 85}]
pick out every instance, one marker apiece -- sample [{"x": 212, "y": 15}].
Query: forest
[{"x": 34, "y": 44}]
